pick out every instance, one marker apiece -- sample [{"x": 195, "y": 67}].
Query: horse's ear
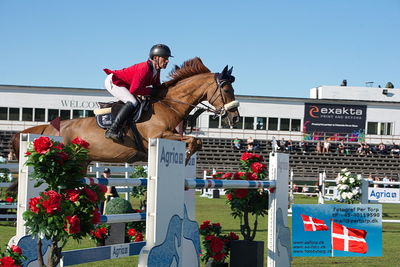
[
  {"x": 230, "y": 71},
  {"x": 224, "y": 71}
]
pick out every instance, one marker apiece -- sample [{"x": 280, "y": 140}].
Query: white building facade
[{"x": 261, "y": 117}]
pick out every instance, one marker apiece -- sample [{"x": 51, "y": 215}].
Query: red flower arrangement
[
  {"x": 100, "y": 233},
  {"x": 9, "y": 200},
  {"x": 245, "y": 202},
  {"x": 216, "y": 245},
  {"x": 134, "y": 235},
  {"x": 68, "y": 208},
  {"x": 12, "y": 257}
]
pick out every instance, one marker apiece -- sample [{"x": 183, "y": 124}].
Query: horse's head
[{"x": 223, "y": 97}]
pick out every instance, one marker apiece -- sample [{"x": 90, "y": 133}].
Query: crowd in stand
[{"x": 325, "y": 146}]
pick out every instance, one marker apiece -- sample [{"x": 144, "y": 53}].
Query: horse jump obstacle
[{"x": 170, "y": 217}]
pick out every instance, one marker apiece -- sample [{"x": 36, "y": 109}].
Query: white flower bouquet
[{"x": 348, "y": 186}]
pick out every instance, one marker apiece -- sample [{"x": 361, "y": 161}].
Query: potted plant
[
  {"x": 245, "y": 205},
  {"x": 216, "y": 245},
  {"x": 100, "y": 233},
  {"x": 68, "y": 208},
  {"x": 117, "y": 230},
  {"x": 348, "y": 186}
]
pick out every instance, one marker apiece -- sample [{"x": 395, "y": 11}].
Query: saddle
[{"x": 108, "y": 111}]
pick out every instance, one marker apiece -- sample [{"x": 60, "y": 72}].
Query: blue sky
[{"x": 277, "y": 48}]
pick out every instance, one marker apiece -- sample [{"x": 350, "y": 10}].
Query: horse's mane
[{"x": 187, "y": 69}]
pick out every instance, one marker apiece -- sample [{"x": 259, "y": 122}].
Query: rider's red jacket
[{"x": 136, "y": 78}]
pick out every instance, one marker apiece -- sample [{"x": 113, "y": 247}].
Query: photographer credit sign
[{"x": 334, "y": 118}]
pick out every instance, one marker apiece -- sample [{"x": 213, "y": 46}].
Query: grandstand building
[{"x": 331, "y": 113}]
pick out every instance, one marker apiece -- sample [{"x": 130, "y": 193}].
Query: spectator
[
  {"x": 360, "y": 149},
  {"x": 10, "y": 156},
  {"x": 274, "y": 144},
  {"x": 318, "y": 147},
  {"x": 342, "y": 147},
  {"x": 326, "y": 146},
  {"x": 111, "y": 190},
  {"x": 385, "y": 179},
  {"x": 282, "y": 145},
  {"x": 376, "y": 179},
  {"x": 381, "y": 149},
  {"x": 395, "y": 150},
  {"x": 237, "y": 143},
  {"x": 366, "y": 149},
  {"x": 303, "y": 146},
  {"x": 290, "y": 146},
  {"x": 250, "y": 144},
  {"x": 370, "y": 179}
]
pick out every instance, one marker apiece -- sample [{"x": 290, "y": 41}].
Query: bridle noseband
[{"x": 221, "y": 81}]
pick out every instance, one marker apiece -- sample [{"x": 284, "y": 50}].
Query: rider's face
[{"x": 162, "y": 62}]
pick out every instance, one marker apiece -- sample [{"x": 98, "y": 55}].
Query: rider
[{"x": 139, "y": 79}]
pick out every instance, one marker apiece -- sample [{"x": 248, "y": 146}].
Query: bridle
[{"x": 221, "y": 80}]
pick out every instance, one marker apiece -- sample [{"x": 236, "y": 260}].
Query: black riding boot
[{"x": 114, "y": 132}]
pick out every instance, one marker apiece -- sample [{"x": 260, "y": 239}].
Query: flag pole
[{"x": 332, "y": 238}]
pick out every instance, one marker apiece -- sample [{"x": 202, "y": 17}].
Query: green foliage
[
  {"x": 118, "y": 206},
  {"x": 5, "y": 175},
  {"x": 140, "y": 191}
]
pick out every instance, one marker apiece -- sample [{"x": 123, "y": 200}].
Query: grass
[{"x": 216, "y": 210}]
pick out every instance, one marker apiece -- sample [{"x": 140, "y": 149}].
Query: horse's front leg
[{"x": 192, "y": 144}]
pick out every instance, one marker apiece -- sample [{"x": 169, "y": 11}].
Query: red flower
[
  {"x": 53, "y": 202},
  {"x": 209, "y": 237},
  {"x": 233, "y": 236},
  {"x": 227, "y": 175},
  {"x": 9, "y": 199},
  {"x": 139, "y": 237},
  {"x": 62, "y": 157},
  {"x": 81, "y": 142},
  {"x": 229, "y": 196},
  {"x": 257, "y": 167},
  {"x": 237, "y": 175},
  {"x": 92, "y": 196},
  {"x": 42, "y": 144},
  {"x": 251, "y": 176},
  {"x": 204, "y": 225},
  {"x": 28, "y": 153},
  {"x": 103, "y": 231},
  {"x": 16, "y": 249},
  {"x": 96, "y": 216},
  {"x": 216, "y": 245},
  {"x": 132, "y": 232},
  {"x": 7, "y": 261},
  {"x": 72, "y": 194},
  {"x": 60, "y": 146},
  {"x": 241, "y": 193},
  {"x": 33, "y": 204},
  {"x": 98, "y": 234},
  {"x": 246, "y": 156},
  {"x": 216, "y": 225},
  {"x": 74, "y": 224},
  {"x": 219, "y": 256},
  {"x": 102, "y": 188}
]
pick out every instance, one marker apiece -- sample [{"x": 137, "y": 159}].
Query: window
[
  {"x": 273, "y": 124},
  {"x": 385, "y": 128},
  {"x": 249, "y": 123},
  {"x": 78, "y": 114},
  {"x": 372, "y": 128},
  {"x": 14, "y": 114},
  {"x": 40, "y": 114},
  {"x": 52, "y": 114},
  {"x": 89, "y": 113},
  {"x": 27, "y": 114},
  {"x": 239, "y": 124},
  {"x": 284, "y": 125},
  {"x": 261, "y": 123},
  {"x": 65, "y": 114},
  {"x": 3, "y": 113},
  {"x": 295, "y": 125},
  {"x": 213, "y": 122}
]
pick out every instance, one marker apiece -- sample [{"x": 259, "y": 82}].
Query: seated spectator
[
  {"x": 318, "y": 147},
  {"x": 381, "y": 149},
  {"x": 250, "y": 144},
  {"x": 290, "y": 146},
  {"x": 326, "y": 146},
  {"x": 366, "y": 149},
  {"x": 395, "y": 149},
  {"x": 360, "y": 149},
  {"x": 305, "y": 189},
  {"x": 256, "y": 145},
  {"x": 303, "y": 146},
  {"x": 376, "y": 179},
  {"x": 385, "y": 179},
  {"x": 274, "y": 144},
  {"x": 342, "y": 147},
  {"x": 237, "y": 143}
]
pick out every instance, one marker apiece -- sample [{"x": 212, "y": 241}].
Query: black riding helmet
[{"x": 160, "y": 50}]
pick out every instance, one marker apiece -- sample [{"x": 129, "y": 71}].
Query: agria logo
[
  {"x": 313, "y": 112},
  {"x": 171, "y": 157}
]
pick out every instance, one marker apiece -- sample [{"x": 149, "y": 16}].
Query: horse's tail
[{"x": 15, "y": 147}]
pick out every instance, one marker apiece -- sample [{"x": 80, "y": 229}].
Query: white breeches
[{"x": 121, "y": 93}]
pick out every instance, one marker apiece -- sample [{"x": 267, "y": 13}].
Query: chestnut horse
[{"x": 190, "y": 84}]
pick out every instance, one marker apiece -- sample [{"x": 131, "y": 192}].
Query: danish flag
[
  {"x": 348, "y": 239},
  {"x": 312, "y": 224}
]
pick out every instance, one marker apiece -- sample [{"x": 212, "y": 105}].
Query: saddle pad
[{"x": 104, "y": 120}]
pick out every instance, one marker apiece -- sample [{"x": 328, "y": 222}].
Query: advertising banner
[
  {"x": 334, "y": 118},
  {"x": 337, "y": 230},
  {"x": 383, "y": 194}
]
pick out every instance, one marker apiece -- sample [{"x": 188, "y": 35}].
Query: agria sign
[{"x": 171, "y": 157}]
